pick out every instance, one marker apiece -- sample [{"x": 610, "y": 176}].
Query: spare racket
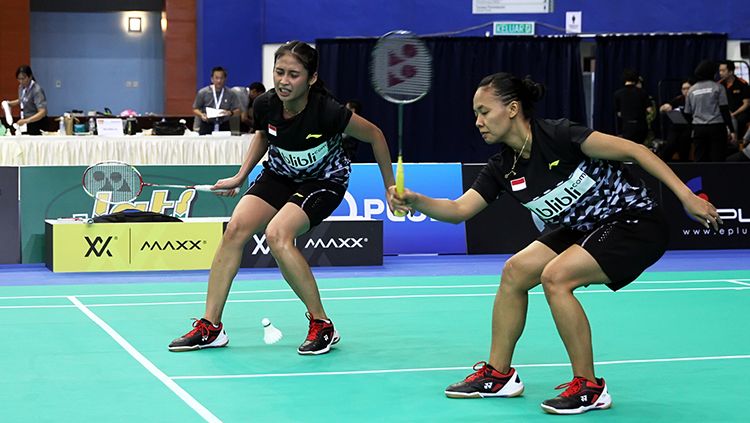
[
  {"x": 401, "y": 72},
  {"x": 124, "y": 183}
]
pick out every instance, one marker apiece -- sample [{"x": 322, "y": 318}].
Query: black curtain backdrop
[
  {"x": 440, "y": 126},
  {"x": 657, "y": 57}
]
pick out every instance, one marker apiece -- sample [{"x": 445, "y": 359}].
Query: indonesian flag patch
[
  {"x": 518, "y": 184},
  {"x": 271, "y": 129}
]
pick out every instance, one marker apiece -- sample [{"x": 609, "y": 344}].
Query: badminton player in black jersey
[
  {"x": 300, "y": 126},
  {"x": 608, "y": 229}
]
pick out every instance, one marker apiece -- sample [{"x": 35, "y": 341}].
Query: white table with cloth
[{"x": 135, "y": 150}]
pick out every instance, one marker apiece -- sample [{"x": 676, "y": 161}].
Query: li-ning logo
[
  {"x": 303, "y": 159},
  {"x": 177, "y": 245},
  {"x": 98, "y": 251},
  {"x": 560, "y": 198}
]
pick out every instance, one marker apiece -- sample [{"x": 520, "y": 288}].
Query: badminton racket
[
  {"x": 401, "y": 72},
  {"x": 123, "y": 183}
]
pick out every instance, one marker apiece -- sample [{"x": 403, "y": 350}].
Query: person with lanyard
[
  {"x": 32, "y": 102},
  {"x": 606, "y": 228},
  {"x": 304, "y": 179},
  {"x": 214, "y": 105}
]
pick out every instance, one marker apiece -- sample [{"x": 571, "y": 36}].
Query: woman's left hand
[{"x": 702, "y": 211}]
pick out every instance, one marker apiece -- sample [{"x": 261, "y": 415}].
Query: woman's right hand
[
  {"x": 230, "y": 184},
  {"x": 403, "y": 202}
]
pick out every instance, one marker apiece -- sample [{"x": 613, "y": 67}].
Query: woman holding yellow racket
[
  {"x": 300, "y": 125},
  {"x": 609, "y": 229}
]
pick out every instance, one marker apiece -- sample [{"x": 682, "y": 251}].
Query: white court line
[
  {"x": 356, "y": 288},
  {"x": 380, "y": 297},
  {"x": 441, "y": 369},
  {"x": 163, "y": 378}
]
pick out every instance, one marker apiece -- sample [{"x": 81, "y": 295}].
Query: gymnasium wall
[{"x": 89, "y": 61}]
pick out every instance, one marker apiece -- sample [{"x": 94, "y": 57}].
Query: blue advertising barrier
[{"x": 415, "y": 234}]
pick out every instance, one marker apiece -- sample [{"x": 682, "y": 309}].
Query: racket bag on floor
[{"x": 132, "y": 215}]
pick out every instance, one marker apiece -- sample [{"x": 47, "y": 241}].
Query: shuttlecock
[{"x": 271, "y": 335}]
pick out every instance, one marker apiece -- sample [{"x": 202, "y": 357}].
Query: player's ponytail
[{"x": 511, "y": 88}]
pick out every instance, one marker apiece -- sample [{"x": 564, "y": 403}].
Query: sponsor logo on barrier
[
  {"x": 158, "y": 203},
  {"x": 336, "y": 243},
  {"x": 261, "y": 247},
  {"x": 740, "y": 216},
  {"x": 98, "y": 246},
  {"x": 177, "y": 245},
  {"x": 376, "y": 208}
]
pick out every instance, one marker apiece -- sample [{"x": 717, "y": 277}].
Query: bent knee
[
  {"x": 518, "y": 274},
  {"x": 557, "y": 279},
  {"x": 278, "y": 239},
  {"x": 236, "y": 233}
]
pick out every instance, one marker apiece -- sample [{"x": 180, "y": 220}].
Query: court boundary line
[
  {"x": 374, "y": 297},
  {"x": 352, "y": 288},
  {"x": 437, "y": 369},
  {"x": 146, "y": 363}
]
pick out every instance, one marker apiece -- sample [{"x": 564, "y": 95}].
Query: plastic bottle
[
  {"x": 61, "y": 130},
  {"x": 92, "y": 125}
]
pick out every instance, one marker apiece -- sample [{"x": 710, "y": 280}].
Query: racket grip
[
  {"x": 399, "y": 183},
  {"x": 207, "y": 188}
]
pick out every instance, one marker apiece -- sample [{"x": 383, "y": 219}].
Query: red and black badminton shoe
[
  {"x": 487, "y": 382},
  {"x": 580, "y": 396},
  {"x": 203, "y": 335},
  {"x": 320, "y": 337}
]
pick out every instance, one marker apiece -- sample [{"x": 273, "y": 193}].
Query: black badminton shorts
[
  {"x": 317, "y": 198},
  {"x": 624, "y": 244}
]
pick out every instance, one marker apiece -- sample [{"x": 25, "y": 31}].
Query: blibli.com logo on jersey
[
  {"x": 556, "y": 201},
  {"x": 306, "y": 158}
]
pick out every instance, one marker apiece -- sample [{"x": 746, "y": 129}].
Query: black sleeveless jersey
[
  {"x": 308, "y": 145},
  {"x": 559, "y": 183}
]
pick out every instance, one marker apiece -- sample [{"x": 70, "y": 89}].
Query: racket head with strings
[
  {"x": 122, "y": 181},
  {"x": 401, "y": 67},
  {"x": 401, "y": 73}
]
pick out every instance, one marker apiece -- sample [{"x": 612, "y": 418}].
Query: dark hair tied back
[
  {"x": 306, "y": 55},
  {"x": 535, "y": 90},
  {"x": 511, "y": 88}
]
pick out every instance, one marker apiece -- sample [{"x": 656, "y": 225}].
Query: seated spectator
[
  {"x": 744, "y": 154},
  {"x": 216, "y": 96}
]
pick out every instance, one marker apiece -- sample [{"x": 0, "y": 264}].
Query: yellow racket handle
[{"x": 400, "y": 183}]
